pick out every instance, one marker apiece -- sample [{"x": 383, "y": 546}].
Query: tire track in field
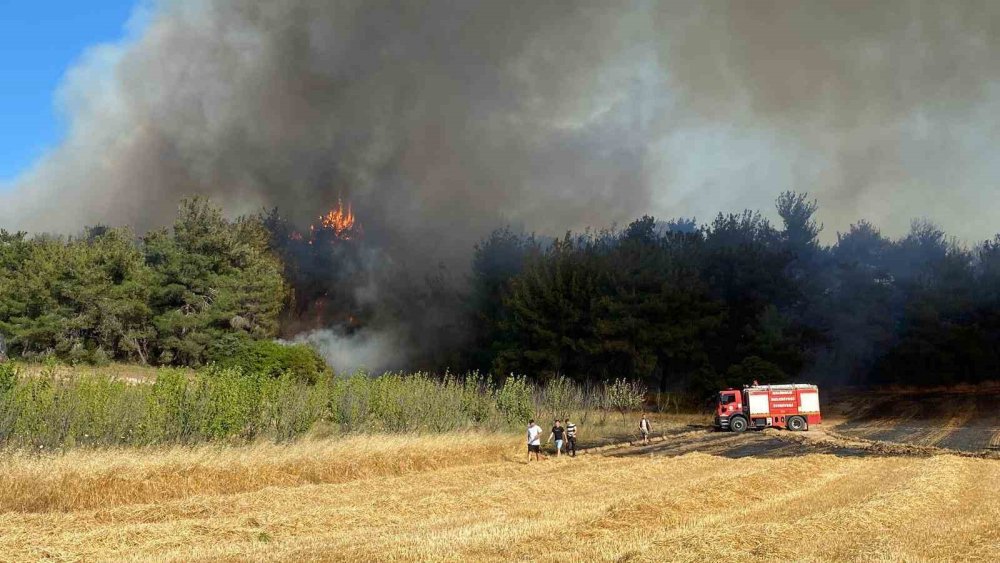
[
  {"x": 978, "y": 433},
  {"x": 966, "y": 421}
]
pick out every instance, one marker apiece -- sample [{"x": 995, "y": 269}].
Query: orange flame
[{"x": 340, "y": 220}]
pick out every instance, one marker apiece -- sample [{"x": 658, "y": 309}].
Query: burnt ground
[
  {"x": 858, "y": 424},
  {"x": 966, "y": 421},
  {"x": 766, "y": 444}
]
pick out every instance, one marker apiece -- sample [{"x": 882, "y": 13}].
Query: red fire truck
[{"x": 794, "y": 406}]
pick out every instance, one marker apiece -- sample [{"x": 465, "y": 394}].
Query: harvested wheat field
[{"x": 474, "y": 498}]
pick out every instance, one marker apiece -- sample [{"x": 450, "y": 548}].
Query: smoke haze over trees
[
  {"x": 439, "y": 121},
  {"x": 677, "y": 305},
  {"x": 739, "y": 299}
]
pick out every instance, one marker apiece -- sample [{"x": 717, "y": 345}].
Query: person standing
[
  {"x": 534, "y": 439},
  {"x": 558, "y": 433},
  {"x": 570, "y": 438},
  {"x": 645, "y": 429}
]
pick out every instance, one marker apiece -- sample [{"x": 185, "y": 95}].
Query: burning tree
[
  {"x": 340, "y": 221},
  {"x": 323, "y": 265}
]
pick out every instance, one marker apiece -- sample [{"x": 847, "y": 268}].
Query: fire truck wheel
[
  {"x": 796, "y": 424},
  {"x": 737, "y": 424}
]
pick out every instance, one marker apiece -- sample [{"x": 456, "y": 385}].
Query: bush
[
  {"x": 559, "y": 395},
  {"x": 479, "y": 399},
  {"x": 624, "y": 396},
  {"x": 293, "y": 408},
  {"x": 515, "y": 401},
  {"x": 167, "y": 413},
  {"x": 50, "y": 411},
  {"x": 100, "y": 358},
  {"x": 229, "y": 403},
  {"x": 8, "y": 377},
  {"x": 349, "y": 398},
  {"x": 269, "y": 358}
]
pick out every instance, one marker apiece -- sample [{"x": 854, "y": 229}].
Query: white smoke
[{"x": 373, "y": 352}]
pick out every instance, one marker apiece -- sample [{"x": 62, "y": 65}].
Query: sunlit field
[{"x": 469, "y": 497}]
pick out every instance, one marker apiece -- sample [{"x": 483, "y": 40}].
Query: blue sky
[{"x": 39, "y": 42}]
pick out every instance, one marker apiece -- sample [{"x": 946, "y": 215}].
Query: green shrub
[
  {"x": 624, "y": 396},
  {"x": 269, "y": 358},
  {"x": 100, "y": 358},
  {"x": 559, "y": 396},
  {"x": 228, "y": 403},
  {"x": 293, "y": 408},
  {"x": 32, "y": 401},
  {"x": 49, "y": 411},
  {"x": 167, "y": 411},
  {"x": 349, "y": 401},
  {"x": 8, "y": 377},
  {"x": 515, "y": 401},
  {"x": 479, "y": 400}
]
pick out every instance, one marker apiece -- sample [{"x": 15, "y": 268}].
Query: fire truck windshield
[{"x": 726, "y": 398}]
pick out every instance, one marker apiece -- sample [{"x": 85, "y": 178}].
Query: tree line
[
  {"x": 696, "y": 307},
  {"x": 674, "y": 304},
  {"x": 179, "y": 296}
]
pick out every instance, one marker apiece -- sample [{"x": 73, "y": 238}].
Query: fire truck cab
[{"x": 794, "y": 406}]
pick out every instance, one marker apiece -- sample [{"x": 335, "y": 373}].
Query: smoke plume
[
  {"x": 373, "y": 352},
  {"x": 441, "y": 120}
]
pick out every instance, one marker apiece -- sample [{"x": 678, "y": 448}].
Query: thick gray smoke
[{"x": 440, "y": 120}]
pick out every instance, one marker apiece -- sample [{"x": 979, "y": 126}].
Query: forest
[
  {"x": 181, "y": 296},
  {"x": 696, "y": 307},
  {"x": 676, "y": 305}
]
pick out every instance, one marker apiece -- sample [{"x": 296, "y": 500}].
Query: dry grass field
[
  {"x": 473, "y": 498},
  {"x": 132, "y": 373}
]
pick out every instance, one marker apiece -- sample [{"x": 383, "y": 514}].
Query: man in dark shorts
[
  {"x": 534, "y": 439},
  {"x": 570, "y": 438}
]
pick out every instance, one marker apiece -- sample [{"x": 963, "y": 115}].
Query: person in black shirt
[{"x": 558, "y": 432}]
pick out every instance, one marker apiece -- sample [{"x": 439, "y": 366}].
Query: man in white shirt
[{"x": 534, "y": 439}]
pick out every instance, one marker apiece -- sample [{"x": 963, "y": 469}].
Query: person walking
[
  {"x": 570, "y": 438},
  {"x": 558, "y": 432},
  {"x": 534, "y": 439},
  {"x": 645, "y": 429}
]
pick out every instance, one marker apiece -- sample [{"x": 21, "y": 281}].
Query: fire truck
[{"x": 794, "y": 406}]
